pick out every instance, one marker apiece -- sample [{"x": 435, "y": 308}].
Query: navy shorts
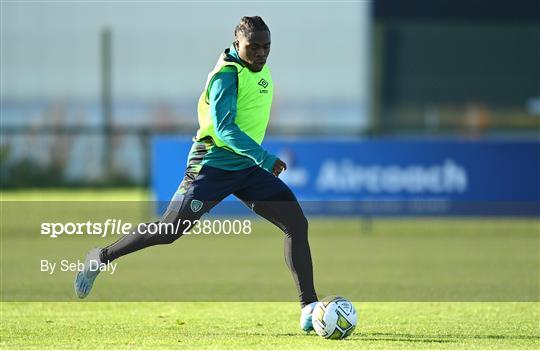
[{"x": 202, "y": 190}]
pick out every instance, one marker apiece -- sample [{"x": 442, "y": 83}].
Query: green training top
[{"x": 233, "y": 114}]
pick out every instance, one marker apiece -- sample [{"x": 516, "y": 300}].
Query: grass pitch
[
  {"x": 387, "y": 260},
  {"x": 272, "y": 325}
]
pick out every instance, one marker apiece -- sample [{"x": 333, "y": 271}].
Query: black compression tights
[{"x": 283, "y": 210}]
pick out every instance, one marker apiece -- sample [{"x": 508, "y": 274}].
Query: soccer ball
[{"x": 334, "y": 317}]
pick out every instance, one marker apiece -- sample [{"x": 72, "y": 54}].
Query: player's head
[{"x": 252, "y": 41}]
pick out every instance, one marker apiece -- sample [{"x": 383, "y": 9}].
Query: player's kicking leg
[
  {"x": 85, "y": 278},
  {"x": 207, "y": 188},
  {"x": 135, "y": 241}
]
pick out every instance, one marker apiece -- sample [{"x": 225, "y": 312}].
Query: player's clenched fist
[{"x": 279, "y": 166}]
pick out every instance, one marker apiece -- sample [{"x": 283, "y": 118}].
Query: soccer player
[{"x": 227, "y": 158}]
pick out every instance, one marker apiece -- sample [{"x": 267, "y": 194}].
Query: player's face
[{"x": 254, "y": 49}]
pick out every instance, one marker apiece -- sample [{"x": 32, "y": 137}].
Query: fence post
[{"x": 106, "y": 99}]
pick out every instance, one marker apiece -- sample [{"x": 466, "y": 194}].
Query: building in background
[
  {"x": 85, "y": 86},
  {"x": 456, "y": 67},
  {"x": 54, "y": 77}
]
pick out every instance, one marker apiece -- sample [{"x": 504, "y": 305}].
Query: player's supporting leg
[
  {"x": 285, "y": 212},
  {"x": 272, "y": 199}
]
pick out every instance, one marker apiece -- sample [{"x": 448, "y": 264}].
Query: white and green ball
[{"x": 334, "y": 317}]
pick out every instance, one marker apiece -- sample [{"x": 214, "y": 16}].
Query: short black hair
[{"x": 249, "y": 25}]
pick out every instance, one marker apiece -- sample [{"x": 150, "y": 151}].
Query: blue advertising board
[{"x": 474, "y": 177}]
